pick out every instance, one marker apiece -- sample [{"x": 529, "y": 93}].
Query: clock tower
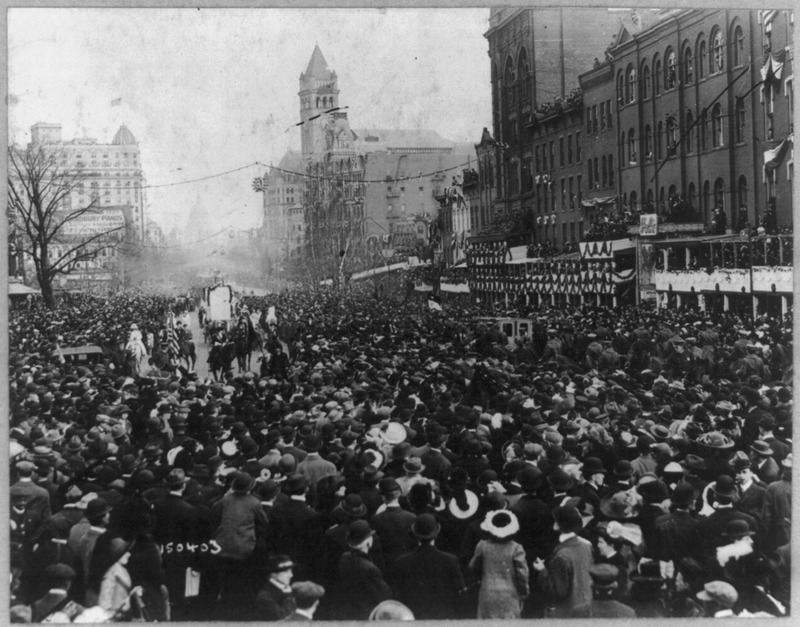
[{"x": 318, "y": 93}]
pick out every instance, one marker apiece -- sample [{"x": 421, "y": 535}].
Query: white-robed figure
[{"x": 135, "y": 349}]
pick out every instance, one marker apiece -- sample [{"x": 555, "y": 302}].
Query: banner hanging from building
[{"x": 776, "y": 152}]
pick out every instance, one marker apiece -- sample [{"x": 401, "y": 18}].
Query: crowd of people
[{"x": 411, "y": 462}]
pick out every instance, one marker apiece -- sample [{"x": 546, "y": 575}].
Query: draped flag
[
  {"x": 775, "y": 152},
  {"x": 773, "y": 67},
  {"x": 173, "y": 347}
]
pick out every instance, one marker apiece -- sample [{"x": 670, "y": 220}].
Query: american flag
[{"x": 173, "y": 347}]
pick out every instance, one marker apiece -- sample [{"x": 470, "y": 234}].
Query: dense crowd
[{"x": 414, "y": 461}]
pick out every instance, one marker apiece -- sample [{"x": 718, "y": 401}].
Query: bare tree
[{"x": 40, "y": 190}]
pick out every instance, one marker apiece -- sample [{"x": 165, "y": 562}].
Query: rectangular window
[
  {"x": 538, "y": 160},
  {"x": 611, "y": 170},
  {"x": 594, "y": 119},
  {"x": 569, "y": 149},
  {"x": 604, "y": 171},
  {"x": 563, "y": 233},
  {"x": 608, "y": 114},
  {"x": 563, "y": 194},
  {"x": 591, "y": 175},
  {"x": 571, "y": 194},
  {"x": 602, "y": 115},
  {"x": 561, "y": 151},
  {"x": 596, "y": 172},
  {"x": 552, "y": 155},
  {"x": 544, "y": 157},
  {"x": 578, "y": 147},
  {"x": 588, "y": 120}
]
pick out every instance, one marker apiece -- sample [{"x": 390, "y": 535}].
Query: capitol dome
[{"x": 124, "y": 137}]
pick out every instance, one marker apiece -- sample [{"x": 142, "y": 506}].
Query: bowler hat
[
  {"x": 425, "y": 527},
  {"x": 296, "y": 484},
  {"x": 555, "y": 454},
  {"x": 653, "y": 491},
  {"x": 313, "y": 443},
  {"x": 683, "y": 494},
  {"x": 740, "y": 463},
  {"x": 176, "y": 478},
  {"x": 96, "y": 508},
  {"x": 724, "y": 487},
  {"x": 568, "y": 518},
  {"x": 358, "y": 531},
  {"x": 268, "y": 490},
  {"x": 530, "y": 479},
  {"x": 353, "y": 506},
  {"x": 559, "y": 480},
  {"x": 387, "y": 485},
  {"x": 736, "y": 529},
  {"x": 592, "y": 466},
  {"x": 242, "y": 483},
  {"x": 623, "y": 469}
]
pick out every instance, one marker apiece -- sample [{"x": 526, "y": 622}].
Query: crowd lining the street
[{"x": 412, "y": 462}]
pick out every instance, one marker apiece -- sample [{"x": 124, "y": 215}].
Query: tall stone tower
[{"x": 319, "y": 92}]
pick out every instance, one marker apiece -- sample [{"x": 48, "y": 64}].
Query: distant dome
[{"x": 124, "y": 137}]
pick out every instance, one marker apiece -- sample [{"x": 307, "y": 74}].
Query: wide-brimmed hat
[
  {"x": 694, "y": 463},
  {"x": 470, "y": 503},
  {"x": 720, "y": 591},
  {"x": 759, "y": 447},
  {"x": 425, "y": 527},
  {"x": 394, "y": 433},
  {"x": 715, "y": 440},
  {"x": 413, "y": 465},
  {"x": 620, "y": 506},
  {"x": 500, "y": 524}
]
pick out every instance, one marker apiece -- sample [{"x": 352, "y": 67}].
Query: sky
[{"x": 213, "y": 90}]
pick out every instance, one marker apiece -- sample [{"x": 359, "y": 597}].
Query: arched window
[
  {"x": 651, "y": 198},
  {"x": 741, "y": 120},
  {"x": 656, "y": 76},
  {"x": 648, "y": 144},
  {"x": 741, "y": 191},
  {"x": 719, "y": 194},
  {"x": 662, "y": 200},
  {"x": 634, "y": 199},
  {"x": 671, "y": 70},
  {"x": 632, "y": 158},
  {"x": 706, "y": 200},
  {"x": 717, "y": 134},
  {"x": 496, "y": 112},
  {"x": 690, "y": 193},
  {"x": 620, "y": 89},
  {"x": 645, "y": 81},
  {"x": 672, "y": 136},
  {"x": 701, "y": 57},
  {"x": 510, "y": 84},
  {"x": 717, "y": 52},
  {"x": 738, "y": 46},
  {"x": 659, "y": 141},
  {"x": 688, "y": 138},
  {"x": 524, "y": 76},
  {"x": 688, "y": 65},
  {"x": 631, "y": 92}
]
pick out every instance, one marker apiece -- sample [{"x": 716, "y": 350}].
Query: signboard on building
[
  {"x": 92, "y": 222},
  {"x": 649, "y": 294},
  {"x": 648, "y": 224}
]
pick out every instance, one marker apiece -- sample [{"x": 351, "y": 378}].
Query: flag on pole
[
  {"x": 775, "y": 152},
  {"x": 173, "y": 348}
]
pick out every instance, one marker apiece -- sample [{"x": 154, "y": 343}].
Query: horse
[
  {"x": 188, "y": 352},
  {"x": 221, "y": 358},
  {"x": 278, "y": 361},
  {"x": 246, "y": 340}
]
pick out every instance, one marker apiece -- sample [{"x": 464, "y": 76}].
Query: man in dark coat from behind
[
  {"x": 428, "y": 580},
  {"x": 361, "y": 583}
]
